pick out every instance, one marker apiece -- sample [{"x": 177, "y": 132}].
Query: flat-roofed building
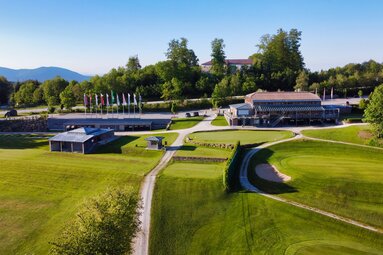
[
  {"x": 273, "y": 108},
  {"x": 81, "y": 140}
]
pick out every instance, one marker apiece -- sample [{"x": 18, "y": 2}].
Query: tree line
[{"x": 278, "y": 64}]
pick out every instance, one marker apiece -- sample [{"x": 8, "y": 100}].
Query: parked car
[
  {"x": 195, "y": 114},
  {"x": 187, "y": 115}
]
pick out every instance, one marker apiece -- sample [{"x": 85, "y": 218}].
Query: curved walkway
[{"x": 247, "y": 185}]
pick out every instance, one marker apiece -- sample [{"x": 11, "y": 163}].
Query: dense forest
[{"x": 277, "y": 65}]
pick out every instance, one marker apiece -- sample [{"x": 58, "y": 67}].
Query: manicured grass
[
  {"x": 195, "y": 216},
  {"x": 182, "y": 123},
  {"x": 41, "y": 191},
  {"x": 195, "y": 170},
  {"x": 198, "y": 151},
  {"x": 220, "y": 121},
  {"x": 244, "y": 136},
  {"x": 344, "y": 179},
  {"x": 360, "y": 134}
]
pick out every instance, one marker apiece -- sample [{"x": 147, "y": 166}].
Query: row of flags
[{"x": 114, "y": 99}]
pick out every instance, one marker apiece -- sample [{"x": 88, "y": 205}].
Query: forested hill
[{"x": 41, "y": 74}]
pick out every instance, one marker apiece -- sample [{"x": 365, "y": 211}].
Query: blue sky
[{"x": 93, "y": 36}]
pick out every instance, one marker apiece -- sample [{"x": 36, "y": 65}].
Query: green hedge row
[{"x": 229, "y": 174}]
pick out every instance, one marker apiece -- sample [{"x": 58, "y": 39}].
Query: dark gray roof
[
  {"x": 79, "y": 135},
  {"x": 241, "y": 106},
  {"x": 286, "y": 108},
  {"x": 283, "y": 96},
  {"x": 154, "y": 138}
]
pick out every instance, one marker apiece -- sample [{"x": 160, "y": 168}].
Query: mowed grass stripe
[{"x": 195, "y": 216}]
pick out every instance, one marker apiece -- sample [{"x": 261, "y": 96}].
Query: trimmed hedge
[{"x": 229, "y": 174}]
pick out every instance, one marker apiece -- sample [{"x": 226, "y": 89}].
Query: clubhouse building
[{"x": 270, "y": 109}]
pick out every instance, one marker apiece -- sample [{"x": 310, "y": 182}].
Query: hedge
[{"x": 229, "y": 174}]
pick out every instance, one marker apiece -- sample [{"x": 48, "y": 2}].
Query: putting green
[{"x": 344, "y": 179}]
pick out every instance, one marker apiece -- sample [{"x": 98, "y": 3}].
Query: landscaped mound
[{"x": 270, "y": 173}]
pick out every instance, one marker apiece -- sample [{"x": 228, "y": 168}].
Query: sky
[{"x": 94, "y": 36}]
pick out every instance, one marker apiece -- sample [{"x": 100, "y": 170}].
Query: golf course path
[
  {"x": 141, "y": 242},
  {"x": 245, "y": 183}
]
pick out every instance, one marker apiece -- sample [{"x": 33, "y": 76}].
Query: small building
[
  {"x": 81, "y": 140},
  {"x": 154, "y": 142}
]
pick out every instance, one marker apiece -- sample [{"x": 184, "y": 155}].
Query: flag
[
  {"x": 139, "y": 101},
  {"x": 112, "y": 96},
  {"x": 123, "y": 100},
  {"x": 332, "y": 92},
  {"x": 316, "y": 91},
  {"x": 85, "y": 100},
  {"x": 102, "y": 99},
  {"x": 96, "y": 99},
  {"x": 118, "y": 100},
  {"x": 324, "y": 94},
  {"x": 107, "y": 99},
  {"x": 128, "y": 99},
  {"x": 90, "y": 99},
  {"x": 134, "y": 99}
]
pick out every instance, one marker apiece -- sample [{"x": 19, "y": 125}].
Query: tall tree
[
  {"x": 172, "y": 90},
  {"x": 374, "y": 111},
  {"x": 52, "y": 89},
  {"x": 67, "y": 97},
  {"x": 302, "y": 81},
  {"x": 218, "y": 57},
  {"x": 5, "y": 90},
  {"x": 133, "y": 64}
]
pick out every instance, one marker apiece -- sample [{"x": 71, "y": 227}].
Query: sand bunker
[{"x": 271, "y": 173}]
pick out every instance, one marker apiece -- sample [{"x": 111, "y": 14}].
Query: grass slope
[
  {"x": 359, "y": 134},
  {"x": 195, "y": 216},
  {"x": 41, "y": 191},
  {"x": 182, "y": 123},
  {"x": 220, "y": 121},
  {"x": 344, "y": 179},
  {"x": 244, "y": 136},
  {"x": 197, "y": 151}
]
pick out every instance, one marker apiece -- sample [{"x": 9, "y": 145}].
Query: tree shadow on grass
[
  {"x": 116, "y": 145},
  {"x": 21, "y": 142},
  {"x": 270, "y": 187}
]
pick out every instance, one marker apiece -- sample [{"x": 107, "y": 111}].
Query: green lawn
[
  {"x": 189, "y": 150},
  {"x": 193, "y": 215},
  {"x": 244, "y": 136},
  {"x": 220, "y": 121},
  {"x": 182, "y": 123},
  {"x": 41, "y": 191},
  {"x": 344, "y": 179},
  {"x": 359, "y": 134}
]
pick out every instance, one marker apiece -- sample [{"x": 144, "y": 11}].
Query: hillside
[{"x": 41, "y": 74}]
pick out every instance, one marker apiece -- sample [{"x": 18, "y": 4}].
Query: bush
[
  {"x": 51, "y": 109},
  {"x": 229, "y": 175},
  {"x": 105, "y": 225}
]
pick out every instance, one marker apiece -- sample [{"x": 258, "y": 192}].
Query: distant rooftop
[
  {"x": 286, "y": 96},
  {"x": 233, "y": 62}
]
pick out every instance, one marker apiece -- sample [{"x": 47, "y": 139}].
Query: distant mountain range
[{"x": 41, "y": 74}]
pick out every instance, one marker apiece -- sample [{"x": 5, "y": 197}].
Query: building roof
[
  {"x": 79, "y": 135},
  {"x": 241, "y": 106},
  {"x": 287, "y": 108},
  {"x": 233, "y": 62},
  {"x": 154, "y": 138},
  {"x": 283, "y": 96}
]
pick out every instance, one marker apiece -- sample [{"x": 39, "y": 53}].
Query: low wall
[{"x": 203, "y": 159}]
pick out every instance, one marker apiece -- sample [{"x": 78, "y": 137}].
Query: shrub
[
  {"x": 51, "y": 109},
  {"x": 229, "y": 174},
  {"x": 105, "y": 225}
]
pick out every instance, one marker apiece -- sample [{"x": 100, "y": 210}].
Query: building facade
[{"x": 278, "y": 108}]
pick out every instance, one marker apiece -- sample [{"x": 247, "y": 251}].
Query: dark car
[
  {"x": 187, "y": 115},
  {"x": 195, "y": 114}
]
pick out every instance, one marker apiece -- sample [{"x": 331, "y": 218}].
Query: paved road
[{"x": 245, "y": 183}]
